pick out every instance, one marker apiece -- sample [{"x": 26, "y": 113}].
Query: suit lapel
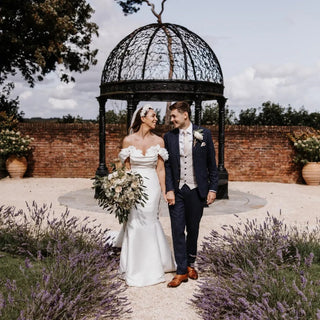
[
  {"x": 194, "y": 127},
  {"x": 175, "y": 142}
]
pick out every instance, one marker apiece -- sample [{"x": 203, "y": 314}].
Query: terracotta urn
[
  {"x": 311, "y": 173},
  {"x": 16, "y": 166}
]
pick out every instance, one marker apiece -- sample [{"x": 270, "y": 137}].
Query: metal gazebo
[{"x": 163, "y": 62}]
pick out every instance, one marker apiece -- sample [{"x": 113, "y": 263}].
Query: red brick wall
[
  {"x": 68, "y": 150},
  {"x": 259, "y": 153}
]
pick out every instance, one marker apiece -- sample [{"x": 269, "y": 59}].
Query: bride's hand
[{"x": 171, "y": 198}]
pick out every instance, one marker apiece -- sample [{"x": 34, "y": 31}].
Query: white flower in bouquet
[
  {"x": 119, "y": 192},
  {"x": 134, "y": 185},
  {"x": 131, "y": 195}
]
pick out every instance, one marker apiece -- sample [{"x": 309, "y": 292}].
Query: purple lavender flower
[
  {"x": 79, "y": 274},
  {"x": 249, "y": 270}
]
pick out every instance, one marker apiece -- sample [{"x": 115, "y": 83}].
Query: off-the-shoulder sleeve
[
  {"x": 124, "y": 154},
  {"x": 163, "y": 153}
]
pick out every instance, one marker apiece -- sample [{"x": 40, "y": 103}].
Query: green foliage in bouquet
[
  {"x": 307, "y": 147},
  {"x": 11, "y": 142},
  {"x": 120, "y": 191}
]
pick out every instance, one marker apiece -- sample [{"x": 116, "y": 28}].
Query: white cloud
[
  {"x": 261, "y": 59},
  {"x": 66, "y": 104},
  {"x": 26, "y": 94},
  {"x": 285, "y": 84},
  {"x": 63, "y": 91}
]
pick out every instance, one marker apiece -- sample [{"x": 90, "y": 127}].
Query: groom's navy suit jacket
[{"x": 204, "y": 162}]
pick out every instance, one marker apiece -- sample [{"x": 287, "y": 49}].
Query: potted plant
[
  {"x": 307, "y": 147},
  {"x": 14, "y": 148},
  {"x": 6, "y": 122}
]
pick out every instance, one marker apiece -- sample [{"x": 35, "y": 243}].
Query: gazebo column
[
  {"x": 197, "y": 113},
  {"x": 102, "y": 169},
  {"x": 131, "y": 108},
  {"x": 223, "y": 173}
]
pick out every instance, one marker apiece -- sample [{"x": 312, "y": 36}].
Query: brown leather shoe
[
  {"x": 177, "y": 279},
  {"x": 192, "y": 273}
]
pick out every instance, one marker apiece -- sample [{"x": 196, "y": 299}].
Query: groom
[{"x": 191, "y": 181}]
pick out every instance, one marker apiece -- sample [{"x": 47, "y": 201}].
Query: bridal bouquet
[{"x": 120, "y": 191}]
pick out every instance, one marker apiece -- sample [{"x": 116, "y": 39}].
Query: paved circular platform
[{"x": 238, "y": 202}]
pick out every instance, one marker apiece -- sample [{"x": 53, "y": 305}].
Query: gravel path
[{"x": 299, "y": 204}]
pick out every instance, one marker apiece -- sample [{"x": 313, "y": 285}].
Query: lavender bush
[
  {"x": 74, "y": 266},
  {"x": 255, "y": 271},
  {"x": 306, "y": 241},
  {"x": 243, "y": 245}
]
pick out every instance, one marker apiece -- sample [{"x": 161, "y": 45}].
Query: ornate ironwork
[
  {"x": 161, "y": 90},
  {"x": 163, "y": 62},
  {"x": 162, "y": 52}
]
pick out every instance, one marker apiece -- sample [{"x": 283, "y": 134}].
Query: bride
[{"x": 145, "y": 254}]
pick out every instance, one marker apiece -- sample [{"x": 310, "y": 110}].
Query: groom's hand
[
  {"x": 171, "y": 198},
  {"x": 211, "y": 197}
]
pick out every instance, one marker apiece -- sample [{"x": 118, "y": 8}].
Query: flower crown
[{"x": 145, "y": 110}]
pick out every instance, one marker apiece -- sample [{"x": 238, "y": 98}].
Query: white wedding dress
[{"x": 145, "y": 253}]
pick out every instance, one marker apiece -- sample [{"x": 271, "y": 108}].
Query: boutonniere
[{"x": 197, "y": 136}]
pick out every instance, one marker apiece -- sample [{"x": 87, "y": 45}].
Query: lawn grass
[{"x": 13, "y": 272}]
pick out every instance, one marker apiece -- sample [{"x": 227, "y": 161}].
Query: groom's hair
[{"x": 181, "y": 106}]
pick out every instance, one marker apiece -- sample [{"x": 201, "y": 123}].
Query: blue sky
[{"x": 268, "y": 50}]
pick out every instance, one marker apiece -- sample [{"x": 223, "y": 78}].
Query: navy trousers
[{"x": 185, "y": 218}]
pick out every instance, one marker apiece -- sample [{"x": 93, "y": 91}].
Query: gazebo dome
[
  {"x": 159, "y": 61},
  {"x": 163, "y": 62},
  {"x": 149, "y": 52}
]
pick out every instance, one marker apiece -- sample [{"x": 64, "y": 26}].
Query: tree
[
  {"x": 7, "y": 122},
  {"x": 271, "y": 115},
  {"x": 120, "y": 116},
  {"x": 116, "y": 117},
  {"x": 9, "y": 107},
  {"x": 37, "y": 36},
  {"x": 158, "y": 113},
  {"x": 132, "y": 6},
  {"x": 211, "y": 115},
  {"x": 314, "y": 120},
  {"x": 247, "y": 117},
  {"x": 293, "y": 117},
  {"x": 70, "y": 119}
]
